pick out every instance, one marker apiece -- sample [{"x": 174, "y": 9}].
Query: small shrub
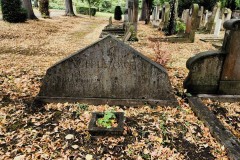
[
  {"x": 55, "y": 6},
  {"x": 118, "y": 13},
  {"x": 85, "y": 10},
  {"x": 12, "y": 11},
  {"x": 180, "y": 27},
  {"x": 162, "y": 57},
  {"x": 44, "y": 8},
  {"x": 108, "y": 120}
]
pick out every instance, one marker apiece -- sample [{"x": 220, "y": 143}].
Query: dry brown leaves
[{"x": 59, "y": 131}]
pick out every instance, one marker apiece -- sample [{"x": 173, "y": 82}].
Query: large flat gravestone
[{"x": 107, "y": 72}]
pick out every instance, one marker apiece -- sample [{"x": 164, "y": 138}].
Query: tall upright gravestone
[
  {"x": 165, "y": 16},
  {"x": 107, "y": 72},
  {"x": 192, "y": 24},
  {"x": 214, "y": 17},
  {"x": 217, "y": 72}
]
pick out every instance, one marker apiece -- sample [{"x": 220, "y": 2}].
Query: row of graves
[
  {"x": 111, "y": 72},
  {"x": 195, "y": 18},
  {"x": 124, "y": 30}
]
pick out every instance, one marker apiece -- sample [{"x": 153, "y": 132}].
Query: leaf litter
[{"x": 59, "y": 130}]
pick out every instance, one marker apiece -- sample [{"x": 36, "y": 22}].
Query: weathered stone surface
[
  {"x": 215, "y": 15},
  {"x": 219, "y": 71},
  {"x": 165, "y": 15},
  {"x": 205, "y": 70},
  {"x": 108, "y": 71},
  {"x": 230, "y": 78}
]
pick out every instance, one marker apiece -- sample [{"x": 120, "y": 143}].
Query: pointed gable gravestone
[{"x": 107, "y": 72}]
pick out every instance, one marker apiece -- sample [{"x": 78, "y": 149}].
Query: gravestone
[
  {"x": 206, "y": 15},
  {"x": 200, "y": 17},
  {"x": 192, "y": 24},
  {"x": 214, "y": 17},
  {"x": 217, "y": 72},
  {"x": 155, "y": 17},
  {"x": 236, "y": 14},
  {"x": 185, "y": 15},
  {"x": 165, "y": 16},
  {"x": 226, "y": 15},
  {"x": 217, "y": 28},
  {"x": 107, "y": 72}
]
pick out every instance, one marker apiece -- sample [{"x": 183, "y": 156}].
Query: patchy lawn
[{"x": 60, "y": 130}]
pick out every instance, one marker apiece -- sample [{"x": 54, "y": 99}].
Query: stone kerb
[{"x": 107, "y": 72}]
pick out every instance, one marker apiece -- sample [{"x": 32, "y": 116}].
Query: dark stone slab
[
  {"x": 223, "y": 135},
  {"x": 107, "y": 71},
  {"x": 94, "y": 130},
  {"x": 205, "y": 70}
]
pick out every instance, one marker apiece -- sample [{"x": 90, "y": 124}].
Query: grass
[{"x": 104, "y": 14}]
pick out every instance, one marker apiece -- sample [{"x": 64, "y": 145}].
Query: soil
[{"x": 150, "y": 132}]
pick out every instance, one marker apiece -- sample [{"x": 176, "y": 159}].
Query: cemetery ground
[{"x": 59, "y": 131}]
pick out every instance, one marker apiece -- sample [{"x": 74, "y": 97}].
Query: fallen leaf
[
  {"x": 69, "y": 136},
  {"x": 89, "y": 157},
  {"x": 21, "y": 157}
]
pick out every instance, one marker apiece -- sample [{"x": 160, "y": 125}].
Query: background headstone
[
  {"x": 214, "y": 17},
  {"x": 217, "y": 28}
]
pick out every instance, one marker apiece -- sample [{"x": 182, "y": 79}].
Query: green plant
[
  {"x": 108, "y": 120},
  {"x": 181, "y": 26},
  {"x": 85, "y": 10},
  {"x": 12, "y": 11}
]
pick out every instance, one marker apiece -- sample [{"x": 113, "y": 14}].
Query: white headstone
[
  {"x": 217, "y": 28},
  {"x": 206, "y": 18}
]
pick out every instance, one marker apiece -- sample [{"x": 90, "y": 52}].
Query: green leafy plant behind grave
[
  {"x": 108, "y": 120},
  {"x": 181, "y": 27}
]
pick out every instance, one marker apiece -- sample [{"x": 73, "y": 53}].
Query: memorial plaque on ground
[{"x": 107, "y": 72}]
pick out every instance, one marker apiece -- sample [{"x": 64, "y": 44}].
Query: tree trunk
[
  {"x": 143, "y": 15},
  {"x": 69, "y": 8},
  {"x": 28, "y": 6},
  {"x": 135, "y": 14},
  {"x": 146, "y": 11},
  {"x": 36, "y": 3}
]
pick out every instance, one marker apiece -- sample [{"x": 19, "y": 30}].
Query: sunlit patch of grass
[{"x": 103, "y": 14}]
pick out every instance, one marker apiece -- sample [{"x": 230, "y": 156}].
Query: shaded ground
[{"x": 151, "y": 132}]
